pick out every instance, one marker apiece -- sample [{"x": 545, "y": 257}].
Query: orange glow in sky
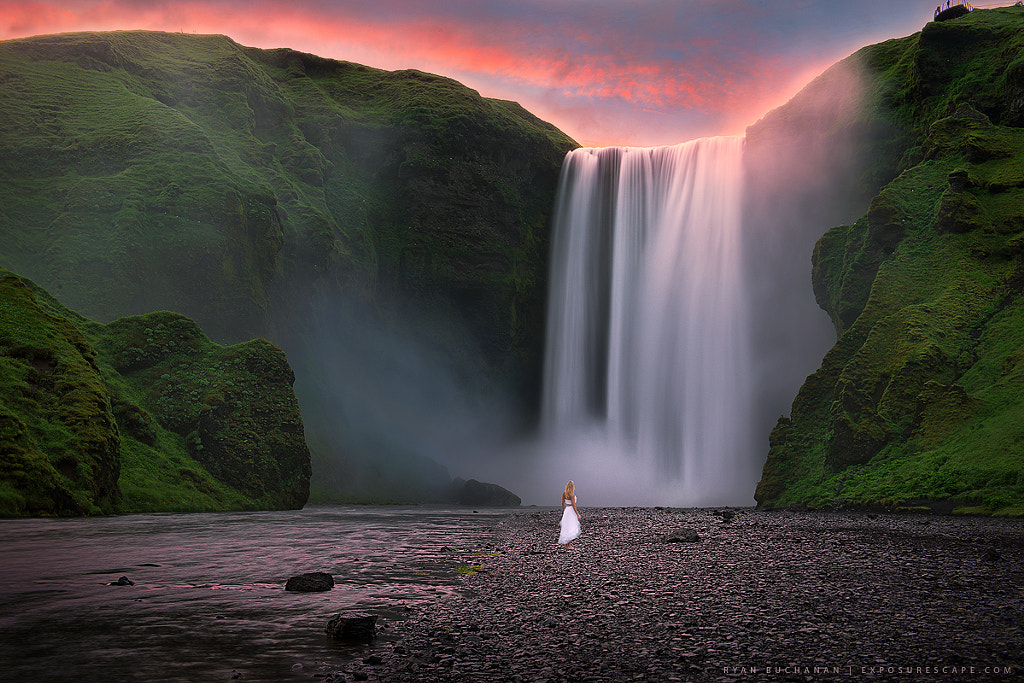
[{"x": 647, "y": 73}]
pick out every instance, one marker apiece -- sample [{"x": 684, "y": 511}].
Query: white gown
[{"x": 570, "y": 524}]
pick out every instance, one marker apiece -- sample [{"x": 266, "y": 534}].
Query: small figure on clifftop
[{"x": 570, "y": 522}]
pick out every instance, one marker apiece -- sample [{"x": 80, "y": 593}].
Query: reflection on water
[{"x": 209, "y": 601}]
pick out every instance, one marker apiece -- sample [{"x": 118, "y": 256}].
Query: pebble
[{"x": 770, "y": 596}]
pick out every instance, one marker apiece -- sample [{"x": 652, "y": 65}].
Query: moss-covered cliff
[
  {"x": 922, "y": 396},
  {"x": 140, "y": 415},
  {"x": 175, "y": 166},
  {"x": 265, "y": 192},
  {"x": 59, "y": 442}
]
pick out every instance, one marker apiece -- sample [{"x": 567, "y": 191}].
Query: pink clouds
[
  {"x": 19, "y": 19},
  {"x": 654, "y": 72}
]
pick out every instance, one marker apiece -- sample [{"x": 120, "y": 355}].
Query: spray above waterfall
[{"x": 648, "y": 351}]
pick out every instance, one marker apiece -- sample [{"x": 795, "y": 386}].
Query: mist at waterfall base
[
  {"x": 682, "y": 322},
  {"x": 392, "y": 412}
]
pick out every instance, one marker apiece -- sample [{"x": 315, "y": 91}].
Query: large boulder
[
  {"x": 310, "y": 582},
  {"x": 357, "y": 626},
  {"x": 482, "y": 494}
]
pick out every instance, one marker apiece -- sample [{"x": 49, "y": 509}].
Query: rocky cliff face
[
  {"x": 922, "y": 396},
  {"x": 140, "y": 415},
  {"x": 278, "y": 194}
]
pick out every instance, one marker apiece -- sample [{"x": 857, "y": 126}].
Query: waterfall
[{"x": 648, "y": 340}]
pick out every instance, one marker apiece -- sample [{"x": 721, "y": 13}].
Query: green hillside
[
  {"x": 278, "y": 194},
  {"x": 921, "y": 400},
  {"x": 144, "y": 414}
]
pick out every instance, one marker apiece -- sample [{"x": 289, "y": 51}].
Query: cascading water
[{"x": 648, "y": 339}]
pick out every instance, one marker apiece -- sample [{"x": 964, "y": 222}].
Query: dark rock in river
[
  {"x": 355, "y": 626},
  {"x": 311, "y": 582},
  {"x": 475, "y": 492},
  {"x": 123, "y": 581}
]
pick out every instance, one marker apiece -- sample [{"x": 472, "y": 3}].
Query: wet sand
[{"x": 777, "y": 596}]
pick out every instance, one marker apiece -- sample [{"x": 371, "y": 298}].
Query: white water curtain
[{"x": 647, "y": 330}]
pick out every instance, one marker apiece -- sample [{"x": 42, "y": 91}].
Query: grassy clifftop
[
  {"x": 144, "y": 414},
  {"x": 922, "y": 397}
]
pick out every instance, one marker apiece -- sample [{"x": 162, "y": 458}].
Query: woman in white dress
[{"x": 570, "y": 522}]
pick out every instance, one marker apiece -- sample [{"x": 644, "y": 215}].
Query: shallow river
[{"x": 208, "y": 601}]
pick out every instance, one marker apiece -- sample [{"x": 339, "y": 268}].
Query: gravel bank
[{"x": 763, "y": 596}]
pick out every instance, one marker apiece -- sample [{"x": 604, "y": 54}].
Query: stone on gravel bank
[
  {"x": 682, "y": 536},
  {"x": 356, "y": 626}
]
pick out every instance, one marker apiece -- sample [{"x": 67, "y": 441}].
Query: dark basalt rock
[
  {"x": 475, "y": 492},
  {"x": 123, "y": 581},
  {"x": 355, "y": 626},
  {"x": 682, "y": 536},
  {"x": 311, "y": 582}
]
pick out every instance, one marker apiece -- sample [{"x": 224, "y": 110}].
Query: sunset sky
[{"x": 643, "y": 72}]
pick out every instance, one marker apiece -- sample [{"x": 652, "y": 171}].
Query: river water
[{"x": 208, "y": 601}]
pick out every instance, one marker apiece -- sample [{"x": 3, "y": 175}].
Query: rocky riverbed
[{"x": 787, "y": 596}]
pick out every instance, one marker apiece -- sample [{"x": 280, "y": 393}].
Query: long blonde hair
[{"x": 570, "y": 490}]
